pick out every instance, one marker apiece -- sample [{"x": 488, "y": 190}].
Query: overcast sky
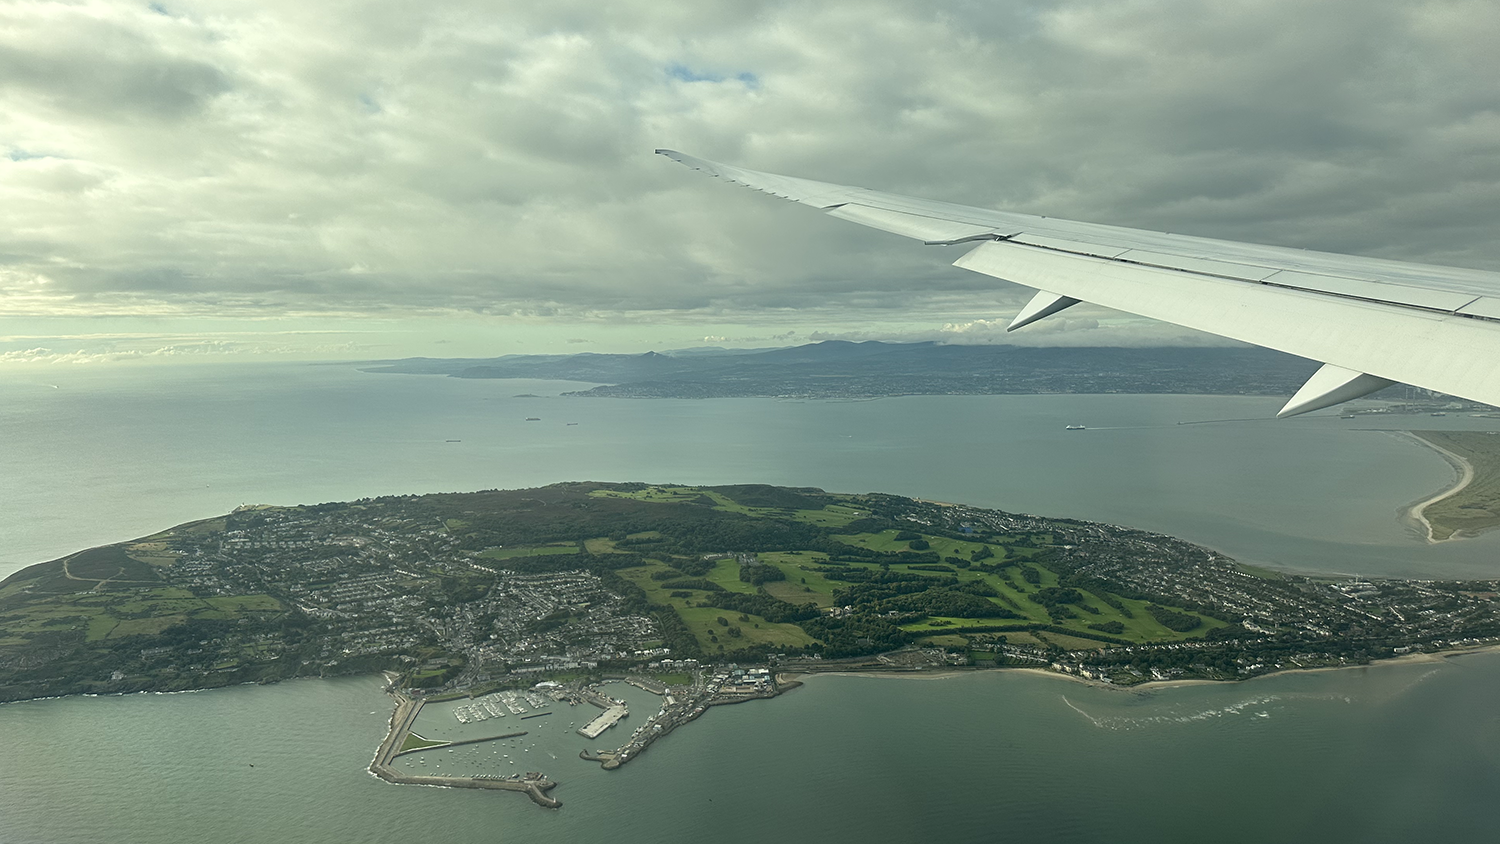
[{"x": 382, "y": 179}]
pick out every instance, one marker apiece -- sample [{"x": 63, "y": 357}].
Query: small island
[{"x": 517, "y": 600}]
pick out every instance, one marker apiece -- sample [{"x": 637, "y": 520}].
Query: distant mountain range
[{"x": 841, "y": 369}]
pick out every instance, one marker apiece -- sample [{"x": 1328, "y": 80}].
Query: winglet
[
  {"x": 1042, "y": 305},
  {"x": 1329, "y": 386}
]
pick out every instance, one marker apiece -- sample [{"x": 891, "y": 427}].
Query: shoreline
[
  {"x": 1416, "y": 513},
  {"x": 1158, "y": 685}
]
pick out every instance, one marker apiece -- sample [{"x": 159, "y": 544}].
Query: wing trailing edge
[{"x": 1372, "y": 322}]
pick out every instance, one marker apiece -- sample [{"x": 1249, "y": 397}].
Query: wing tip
[{"x": 702, "y": 165}]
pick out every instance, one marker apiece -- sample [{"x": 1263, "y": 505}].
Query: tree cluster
[
  {"x": 1173, "y": 620},
  {"x": 771, "y": 609}
]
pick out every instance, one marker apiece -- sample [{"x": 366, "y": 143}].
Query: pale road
[{"x": 1465, "y": 471}]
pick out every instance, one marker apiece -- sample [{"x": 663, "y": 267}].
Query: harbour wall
[{"x": 534, "y": 785}]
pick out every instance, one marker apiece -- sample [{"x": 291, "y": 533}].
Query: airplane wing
[{"x": 1370, "y": 322}]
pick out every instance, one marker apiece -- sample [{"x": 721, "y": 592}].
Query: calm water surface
[
  {"x": 1393, "y": 753},
  {"x": 89, "y": 457}
]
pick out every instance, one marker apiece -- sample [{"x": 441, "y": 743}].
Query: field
[
  {"x": 703, "y": 621},
  {"x": 534, "y": 551},
  {"x": 109, "y": 615},
  {"x": 1008, "y": 569},
  {"x": 830, "y": 515}
]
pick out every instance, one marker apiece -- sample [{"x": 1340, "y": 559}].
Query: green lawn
[
  {"x": 641, "y": 576},
  {"x": 726, "y": 573},
  {"x": 245, "y": 603},
  {"x": 416, "y": 742},
  {"x": 794, "y": 592},
  {"x": 1071, "y": 643},
  {"x": 147, "y": 626},
  {"x": 601, "y": 545},
  {"x": 702, "y": 621},
  {"x": 660, "y": 494},
  {"x": 104, "y": 615},
  {"x": 803, "y": 584},
  {"x": 944, "y": 546},
  {"x": 530, "y": 551},
  {"x": 832, "y": 515},
  {"x": 100, "y": 626},
  {"x": 1141, "y": 628},
  {"x": 797, "y": 566}
]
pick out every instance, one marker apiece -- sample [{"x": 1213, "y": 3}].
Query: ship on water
[{"x": 1073, "y": 428}]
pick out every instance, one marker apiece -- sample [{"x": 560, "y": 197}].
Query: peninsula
[
  {"x": 1472, "y": 504},
  {"x": 702, "y": 595},
  {"x": 839, "y": 369}
]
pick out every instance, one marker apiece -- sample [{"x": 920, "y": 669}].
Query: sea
[{"x": 90, "y": 455}]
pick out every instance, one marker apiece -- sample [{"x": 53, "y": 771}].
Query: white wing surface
[{"x": 1371, "y": 322}]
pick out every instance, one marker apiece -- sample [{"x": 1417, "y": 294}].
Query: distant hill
[{"x": 842, "y": 369}]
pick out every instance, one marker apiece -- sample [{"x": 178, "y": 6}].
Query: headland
[{"x": 518, "y": 601}]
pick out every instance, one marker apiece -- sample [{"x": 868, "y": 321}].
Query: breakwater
[
  {"x": 534, "y": 784},
  {"x": 446, "y": 744}
]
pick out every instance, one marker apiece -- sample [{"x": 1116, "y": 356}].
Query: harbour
[
  {"x": 533, "y": 784},
  {"x": 1302, "y": 742}
]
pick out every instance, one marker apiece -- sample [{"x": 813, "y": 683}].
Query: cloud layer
[{"x": 273, "y": 158}]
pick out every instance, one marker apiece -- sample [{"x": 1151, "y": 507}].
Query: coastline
[
  {"x": 1416, "y": 513},
  {"x": 1157, "y": 685}
]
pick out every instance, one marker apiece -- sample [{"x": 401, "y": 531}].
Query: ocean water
[
  {"x": 1390, "y": 753},
  {"x": 93, "y": 456},
  {"x": 1393, "y": 753}
]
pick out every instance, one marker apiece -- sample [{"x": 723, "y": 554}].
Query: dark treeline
[
  {"x": 855, "y": 635},
  {"x": 1173, "y": 620},
  {"x": 953, "y": 603},
  {"x": 771, "y": 609}
]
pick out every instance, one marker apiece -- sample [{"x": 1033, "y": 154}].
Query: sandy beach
[
  {"x": 1156, "y": 685},
  {"x": 1417, "y": 513}
]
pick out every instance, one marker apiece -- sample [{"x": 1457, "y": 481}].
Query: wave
[{"x": 1266, "y": 705}]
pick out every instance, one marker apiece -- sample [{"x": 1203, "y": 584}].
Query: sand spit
[{"x": 1417, "y": 513}]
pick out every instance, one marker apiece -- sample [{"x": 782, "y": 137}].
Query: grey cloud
[
  {"x": 91, "y": 68},
  {"x": 385, "y": 158}
]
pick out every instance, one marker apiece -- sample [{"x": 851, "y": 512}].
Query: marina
[
  {"x": 533, "y": 783},
  {"x": 498, "y": 705}
]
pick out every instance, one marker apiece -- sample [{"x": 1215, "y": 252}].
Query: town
[{"x": 704, "y": 595}]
